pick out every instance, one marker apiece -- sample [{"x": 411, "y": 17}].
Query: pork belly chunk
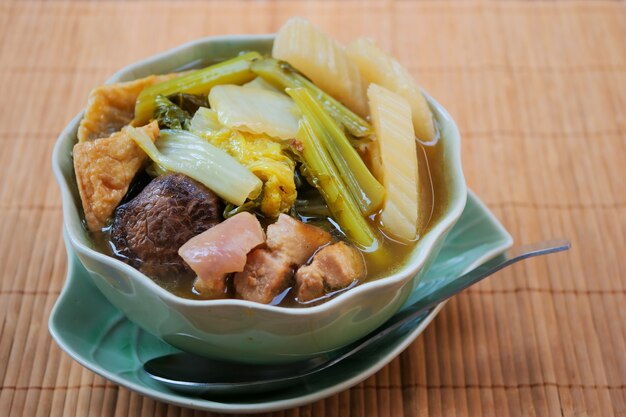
[
  {"x": 266, "y": 275},
  {"x": 269, "y": 271},
  {"x": 294, "y": 240},
  {"x": 334, "y": 267}
]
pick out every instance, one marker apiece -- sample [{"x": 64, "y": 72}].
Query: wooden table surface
[{"x": 538, "y": 90}]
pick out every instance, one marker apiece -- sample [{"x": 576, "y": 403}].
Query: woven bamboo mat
[{"x": 539, "y": 92}]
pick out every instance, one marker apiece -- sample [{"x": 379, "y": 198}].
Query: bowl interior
[{"x": 205, "y": 51}]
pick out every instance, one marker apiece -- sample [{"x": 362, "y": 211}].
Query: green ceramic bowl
[{"x": 236, "y": 329}]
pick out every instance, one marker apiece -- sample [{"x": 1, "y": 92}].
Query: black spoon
[{"x": 198, "y": 375}]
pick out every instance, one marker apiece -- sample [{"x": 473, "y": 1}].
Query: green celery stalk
[
  {"x": 282, "y": 75},
  {"x": 232, "y": 71},
  {"x": 366, "y": 191},
  {"x": 327, "y": 179}
]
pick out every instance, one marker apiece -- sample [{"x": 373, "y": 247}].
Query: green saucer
[{"x": 99, "y": 336}]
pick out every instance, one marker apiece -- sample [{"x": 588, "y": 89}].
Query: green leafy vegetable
[
  {"x": 311, "y": 208},
  {"x": 310, "y": 204},
  {"x": 232, "y": 71},
  {"x": 184, "y": 152},
  {"x": 249, "y": 206},
  {"x": 365, "y": 190},
  {"x": 189, "y": 102},
  {"x": 169, "y": 115},
  {"x": 283, "y": 75},
  {"x": 328, "y": 179}
]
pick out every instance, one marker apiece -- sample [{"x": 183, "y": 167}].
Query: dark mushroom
[{"x": 148, "y": 230}]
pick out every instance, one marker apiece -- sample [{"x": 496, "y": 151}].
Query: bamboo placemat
[{"x": 539, "y": 92}]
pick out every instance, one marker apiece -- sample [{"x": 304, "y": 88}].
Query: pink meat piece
[
  {"x": 334, "y": 267},
  {"x": 295, "y": 241},
  {"x": 221, "y": 250},
  {"x": 269, "y": 271}
]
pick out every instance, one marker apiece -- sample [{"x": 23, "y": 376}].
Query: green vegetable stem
[
  {"x": 232, "y": 71},
  {"x": 364, "y": 189},
  {"x": 327, "y": 177},
  {"x": 282, "y": 75}
]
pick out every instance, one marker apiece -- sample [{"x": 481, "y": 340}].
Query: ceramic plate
[{"x": 100, "y": 337}]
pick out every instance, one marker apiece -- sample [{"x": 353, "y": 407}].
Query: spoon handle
[{"x": 452, "y": 288}]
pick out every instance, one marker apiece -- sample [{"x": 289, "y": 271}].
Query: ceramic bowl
[{"x": 236, "y": 329}]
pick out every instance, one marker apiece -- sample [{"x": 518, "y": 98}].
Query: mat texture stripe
[{"x": 539, "y": 91}]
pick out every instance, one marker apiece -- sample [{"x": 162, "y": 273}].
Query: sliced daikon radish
[
  {"x": 391, "y": 116},
  {"x": 378, "y": 67},
  {"x": 323, "y": 60},
  {"x": 255, "y": 110}
]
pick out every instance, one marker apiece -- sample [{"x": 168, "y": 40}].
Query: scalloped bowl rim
[{"x": 457, "y": 199}]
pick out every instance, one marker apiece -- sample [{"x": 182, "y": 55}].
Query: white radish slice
[
  {"x": 391, "y": 116},
  {"x": 378, "y": 67},
  {"x": 323, "y": 60}
]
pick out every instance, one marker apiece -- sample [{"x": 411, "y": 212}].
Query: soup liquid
[
  {"x": 433, "y": 197},
  {"x": 432, "y": 202}
]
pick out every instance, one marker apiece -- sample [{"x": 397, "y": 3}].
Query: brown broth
[
  {"x": 432, "y": 202},
  {"x": 433, "y": 199}
]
